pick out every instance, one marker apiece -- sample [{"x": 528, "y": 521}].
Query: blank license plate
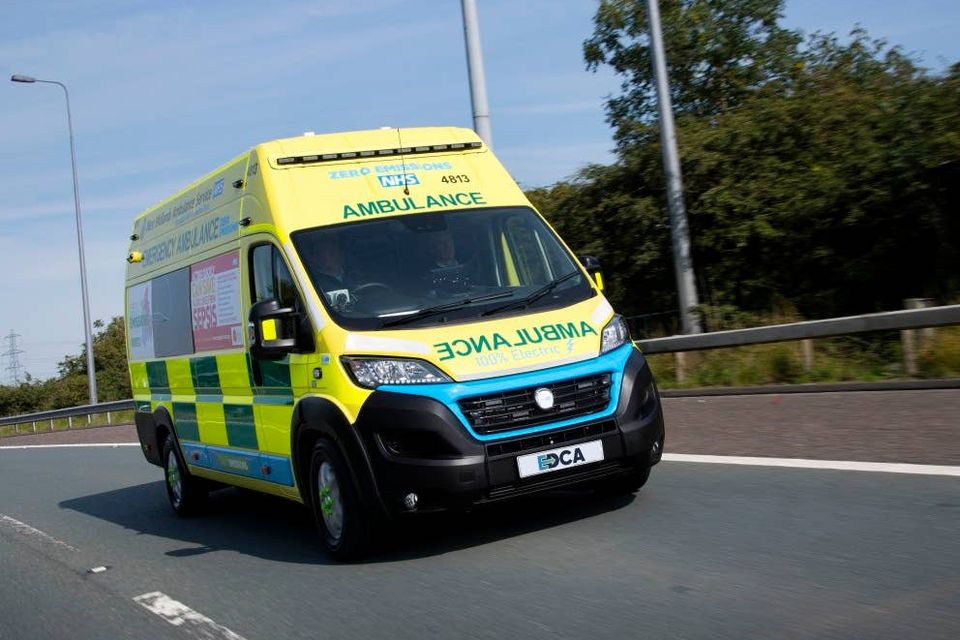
[{"x": 560, "y": 458}]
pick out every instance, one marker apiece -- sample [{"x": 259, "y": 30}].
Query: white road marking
[
  {"x": 25, "y": 529},
  {"x": 65, "y": 446},
  {"x": 182, "y": 616},
  {"x": 837, "y": 465},
  {"x": 96, "y": 569}
]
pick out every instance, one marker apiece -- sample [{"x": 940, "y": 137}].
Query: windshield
[{"x": 423, "y": 269}]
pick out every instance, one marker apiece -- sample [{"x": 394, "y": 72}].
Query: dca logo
[{"x": 564, "y": 458}]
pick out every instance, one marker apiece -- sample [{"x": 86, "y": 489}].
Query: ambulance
[{"x": 377, "y": 324}]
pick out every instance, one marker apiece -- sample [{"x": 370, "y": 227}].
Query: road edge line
[
  {"x": 67, "y": 446},
  {"x": 806, "y": 463}
]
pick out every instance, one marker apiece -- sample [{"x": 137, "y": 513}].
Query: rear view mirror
[{"x": 592, "y": 266}]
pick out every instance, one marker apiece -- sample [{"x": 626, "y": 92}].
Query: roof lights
[{"x": 349, "y": 155}]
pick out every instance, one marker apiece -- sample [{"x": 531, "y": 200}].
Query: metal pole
[
  {"x": 478, "y": 83},
  {"x": 682, "y": 262},
  {"x": 87, "y": 328}
]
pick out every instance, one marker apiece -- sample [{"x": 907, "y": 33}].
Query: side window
[
  {"x": 271, "y": 277},
  {"x": 261, "y": 263},
  {"x": 529, "y": 256}
]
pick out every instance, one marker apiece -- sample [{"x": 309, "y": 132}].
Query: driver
[
  {"x": 443, "y": 250},
  {"x": 329, "y": 271}
]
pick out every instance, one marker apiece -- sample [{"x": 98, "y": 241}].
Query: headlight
[
  {"x": 373, "y": 372},
  {"x": 614, "y": 334}
]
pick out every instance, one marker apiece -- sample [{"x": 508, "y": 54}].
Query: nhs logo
[{"x": 399, "y": 180}]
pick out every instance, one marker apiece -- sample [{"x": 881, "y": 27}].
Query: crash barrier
[{"x": 905, "y": 320}]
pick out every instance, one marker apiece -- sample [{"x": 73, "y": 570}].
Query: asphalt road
[{"x": 704, "y": 551}]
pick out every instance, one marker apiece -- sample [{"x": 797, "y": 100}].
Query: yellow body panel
[{"x": 212, "y": 425}]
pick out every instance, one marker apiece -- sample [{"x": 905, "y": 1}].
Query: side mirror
[
  {"x": 267, "y": 320},
  {"x": 592, "y": 266}
]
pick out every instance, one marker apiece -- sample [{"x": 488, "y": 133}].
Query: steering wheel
[{"x": 370, "y": 285}]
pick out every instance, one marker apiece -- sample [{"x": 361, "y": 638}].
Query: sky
[{"x": 163, "y": 92}]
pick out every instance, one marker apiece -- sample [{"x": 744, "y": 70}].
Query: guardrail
[
  {"x": 28, "y": 423},
  {"x": 892, "y": 320},
  {"x": 887, "y": 321}
]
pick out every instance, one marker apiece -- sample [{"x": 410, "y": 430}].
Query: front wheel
[
  {"x": 340, "y": 518},
  {"x": 186, "y": 493}
]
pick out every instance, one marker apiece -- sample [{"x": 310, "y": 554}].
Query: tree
[
  {"x": 720, "y": 52},
  {"x": 110, "y": 359},
  {"x": 825, "y": 180}
]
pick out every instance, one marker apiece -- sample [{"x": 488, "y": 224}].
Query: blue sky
[{"x": 163, "y": 92}]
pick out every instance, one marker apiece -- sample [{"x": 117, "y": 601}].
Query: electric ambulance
[{"x": 377, "y": 323}]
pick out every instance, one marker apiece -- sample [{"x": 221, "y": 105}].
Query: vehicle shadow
[{"x": 263, "y": 526}]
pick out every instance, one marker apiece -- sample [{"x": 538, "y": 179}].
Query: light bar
[{"x": 350, "y": 155}]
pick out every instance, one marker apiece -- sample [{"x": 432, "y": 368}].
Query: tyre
[
  {"x": 341, "y": 520},
  {"x": 186, "y": 493},
  {"x": 626, "y": 484}
]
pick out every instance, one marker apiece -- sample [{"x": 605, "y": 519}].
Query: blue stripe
[
  {"x": 249, "y": 464},
  {"x": 612, "y": 362}
]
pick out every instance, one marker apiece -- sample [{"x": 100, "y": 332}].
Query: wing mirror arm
[{"x": 592, "y": 266}]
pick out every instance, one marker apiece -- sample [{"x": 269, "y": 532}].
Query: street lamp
[{"x": 91, "y": 372}]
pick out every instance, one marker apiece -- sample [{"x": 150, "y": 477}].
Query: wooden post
[
  {"x": 908, "y": 337},
  {"x": 807, "y": 346},
  {"x": 680, "y": 366}
]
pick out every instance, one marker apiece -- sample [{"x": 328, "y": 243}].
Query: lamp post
[
  {"x": 478, "y": 82},
  {"x": 680, "y": 232},
  {"x": 88, "y": 333}
]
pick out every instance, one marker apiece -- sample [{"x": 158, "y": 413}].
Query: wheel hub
[{"x": 331, "y": 504}]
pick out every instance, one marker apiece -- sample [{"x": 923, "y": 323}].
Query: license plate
[{"x": 560, "y": 458}]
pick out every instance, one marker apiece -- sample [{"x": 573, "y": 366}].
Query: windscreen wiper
[
  {"x": 533, "y": 297},
  {"x": 440, "y": 308}
]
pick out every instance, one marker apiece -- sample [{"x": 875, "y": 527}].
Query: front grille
[
  {"x": 537, "y": 441},
  {"x": 515, "y": 409}
]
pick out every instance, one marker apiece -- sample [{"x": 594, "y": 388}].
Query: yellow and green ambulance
[{"x": 377, "y": 323}]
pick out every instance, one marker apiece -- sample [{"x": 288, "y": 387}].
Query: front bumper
[{"x": 419, "y": 444}]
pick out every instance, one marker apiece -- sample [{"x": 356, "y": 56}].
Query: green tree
[
  {"x": 720, "y": 53},
  {"x": 827, "y": 183},
  {"x": 110, "y": 359}
]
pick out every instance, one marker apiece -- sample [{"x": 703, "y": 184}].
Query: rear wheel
[
  {"x": 186, "y": 493},
  {"x": 337, "y": 511}
]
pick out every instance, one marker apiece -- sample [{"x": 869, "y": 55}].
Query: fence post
[
  {"x": 908, "y": 337},
  {"x": 807, "y": 346},
  {"x": 680, "y": 366}
]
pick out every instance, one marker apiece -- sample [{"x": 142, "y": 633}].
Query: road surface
[{"x": 704, "y": 551}]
